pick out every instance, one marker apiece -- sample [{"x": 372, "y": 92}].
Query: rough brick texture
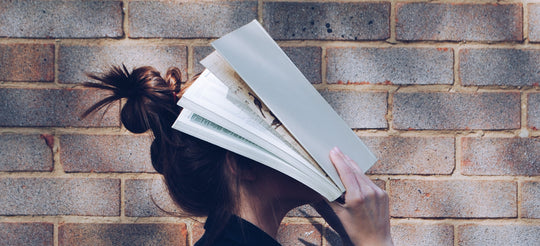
[
  {"x": 534, "y": 22},
  {"x": 359, "y": 109},
  {"x": 452, "y": 198},
  {"x": 53, "y": 107},
  {"x": 533, "y": 113},
  {"x": 26, "y": 62},
  {"x": 412, "y": 155},
  {"x": 148, "y": 198},
  {"x": 390, "y": 66},
  {"x": 457, "y": 22},
  {"x": 499, "y": 235},
  {"x": 26, "y": 152},
  {"x": 61, "y": 19},
  {"x": 26, "y": 233},
  {"x": 331, "y": 21},
  {"x": 188, "y": 19},
  {"x": 510, "y": 67},
  {"x": 199, "y": 53},
  {"x": 300, "y": 234},
  {"x": 530, "y": 204},
  {"x": 449, "y": 111},
  {"x": 501, "y": 156},
  {"x": 122, "y": 234},
  {"x": 405, "y": 234},
  {"x": 60, "y": 196},
  {"x": 74, "y": 62},
  {"x": 106, "y": 153}
]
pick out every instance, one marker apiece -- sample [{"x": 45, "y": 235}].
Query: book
[{"x": 252, "y": 100}]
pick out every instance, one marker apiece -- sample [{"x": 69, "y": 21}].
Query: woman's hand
[{"x": 364, "y": 215}]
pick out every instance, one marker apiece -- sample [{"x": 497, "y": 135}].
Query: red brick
[
  {"x": 299, "y": 234},
  {"x": 498, "y": 235},
  {"x": 412, "y": 155},
  {"x": 25, "y": 153},
  {"x": 16, "y": 233},
  {"x": 534, "y": 22},
  {"x": 106, "y": 153},
  {"x": 60, "y": 196},
  {"x": 75, "y": 61},
  {"x": 530, "y": 199},
  {"x": 390, "y": 66},
  {"x": 422, "y": 234},
  {"x": 303, "y": 211},
  {"x": 53, "y": 107},
  {"x": 452, "y": 198},
  {"x": 61, "y": 19},
  {"x": 507, "y": 67},
  {"x": 26, "y": 62},
  {"x": 188, "y": 19},
  {"x": 148, "y": 198},
  {"x": 197, "y": 231},
  {"x": 456, "y": 111},
  {"x": 533, "y": 113},
  {"x": 459, "y": 22},
  {"x": 330, "y": 21},
  {"x": 501, "y": 156},
  {"x": 122, "y": 234}
]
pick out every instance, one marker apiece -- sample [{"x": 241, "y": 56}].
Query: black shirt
[{"x": 239, "y": 232}]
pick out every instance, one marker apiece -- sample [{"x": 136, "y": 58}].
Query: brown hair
[{"x": 193, "y": 170}]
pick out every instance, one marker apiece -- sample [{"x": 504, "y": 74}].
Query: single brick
[
  {"x": 533, "y": 113},
  {"x": 453, "y": 198},
  {"x": 359, "y": 109},
  {"x": 197, "y": 231},
  {"x": 456, "y": 111},
  {"x": 199, "y": 53},
  {"x": 390, "y": 66},
  {"x": 122, "y": 234},
  {"x": 509, "y": 67},
  {"x": 534, "y": 22},
  {"x": 53, "y": 107},
  {"x": 60, "y": 196},
  {"x": 530, "y": 200},
  {"x": 330, "y": 21},
  {"x": 498, "y": 235},
  {"x": 26, "y": 62},
  {"x": 303, "y": 211},
  {"x": 106, "y": 153},
  {"x": 61, "y": 19},
  {"x": 412, "y": 155},
  {"x": 25, "y": 153},
  {"x": 422, "y": 234},
  {"x": 148, "y": 198},
  {"x": 16, "y": 233},
  {"x": 501, "y": 156},
  {"x": 300, "y": 234},
  {"x": 459, "y": 22},
  {"x": 308, "y": 61},
  {"x": 75, "y": 61},
  {"x": 188, "y": 19}
]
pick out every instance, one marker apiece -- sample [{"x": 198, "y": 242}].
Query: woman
[{"x": 244, "y": 200}]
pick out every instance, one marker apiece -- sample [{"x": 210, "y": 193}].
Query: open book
[{"x": 252, "y": 100}]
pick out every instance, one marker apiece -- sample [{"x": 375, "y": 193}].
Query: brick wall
[{"x": 447, "y": 95}]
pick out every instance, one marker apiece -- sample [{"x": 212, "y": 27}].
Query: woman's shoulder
[{"x": 239, "y": 232}]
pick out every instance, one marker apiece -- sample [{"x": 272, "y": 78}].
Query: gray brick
[
  {"x": 60, "y": 196},
  {"x": 459, "y": 22},
  {"x": 330, "y": 21},
  {"x": 498, "y": 235},
  {"x": 405, "y": 234},
  {"x": 25, "y": 153},
  {"x": 510, "y": 67},
  {"x": 61, "y": 19},
  {"x": 148, "y": 198},
  {"x": 501, "y": 156},
  {"x": 534, "y": 22},
  {"x": 390, "y": 66},
  {"x": 106, "y": 153},
  {"x": 75, "y": 61},
  {"x": 530, "y": 199},
  {"x": 199, "y": 53},
  {"x": 122, "y": 234},
  {"x": 533, "y": 113},
  {"x": 303, "y": 211},
  {"x": 451, "y": 111},
  {"x": 16, "y": 233},
  {"x": 453, "y": 198},
  {"x": 26, "y": 62},
  {"x": 359, "y": 109},
  {"x": 308, "y": 61},
  {"x": 53, "y": 107},
  {"x": 188, "y": 19},
  {"x": 412, "y": 155}
]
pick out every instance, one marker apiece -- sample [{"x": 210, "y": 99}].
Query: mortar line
[{"x": 260, "y": 11}]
